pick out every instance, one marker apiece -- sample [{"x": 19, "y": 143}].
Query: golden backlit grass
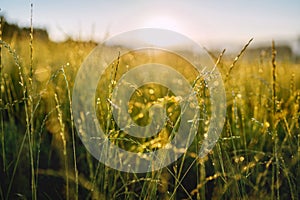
[{"x": 257, "y": 155}]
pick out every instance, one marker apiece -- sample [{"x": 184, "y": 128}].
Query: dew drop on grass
[
  {"x": 98, "y": 101},
  {"x": 151, "y": 91},
  {"x": 141, "y": 115}
]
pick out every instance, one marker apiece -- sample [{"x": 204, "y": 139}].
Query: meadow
[{"x": 41, "y": 156}]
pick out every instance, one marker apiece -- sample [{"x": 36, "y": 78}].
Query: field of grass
[{"x": 42, "y": 157}]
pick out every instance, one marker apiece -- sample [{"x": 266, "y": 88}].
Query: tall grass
[{"x": 257, "y": 155}]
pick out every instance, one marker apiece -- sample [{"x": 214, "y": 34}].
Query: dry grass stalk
[{"x": 236, "y": 59}]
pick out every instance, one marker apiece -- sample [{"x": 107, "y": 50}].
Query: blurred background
[{"x": 214, "y": 24}]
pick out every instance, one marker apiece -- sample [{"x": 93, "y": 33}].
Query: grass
[{"x": 41, "y": 157}]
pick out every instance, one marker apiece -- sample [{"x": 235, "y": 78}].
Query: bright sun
[{"x": 163, "y": 22}]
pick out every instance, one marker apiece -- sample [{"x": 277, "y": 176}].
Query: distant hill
[
  {"x": 9, "y": 31},
  {"x": 284, "y": 52}
]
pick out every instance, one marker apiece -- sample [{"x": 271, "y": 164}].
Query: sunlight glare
[{"x": 163, "y": 22}]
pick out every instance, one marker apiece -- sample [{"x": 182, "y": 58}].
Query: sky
[{"x": 212, "y": 23}]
